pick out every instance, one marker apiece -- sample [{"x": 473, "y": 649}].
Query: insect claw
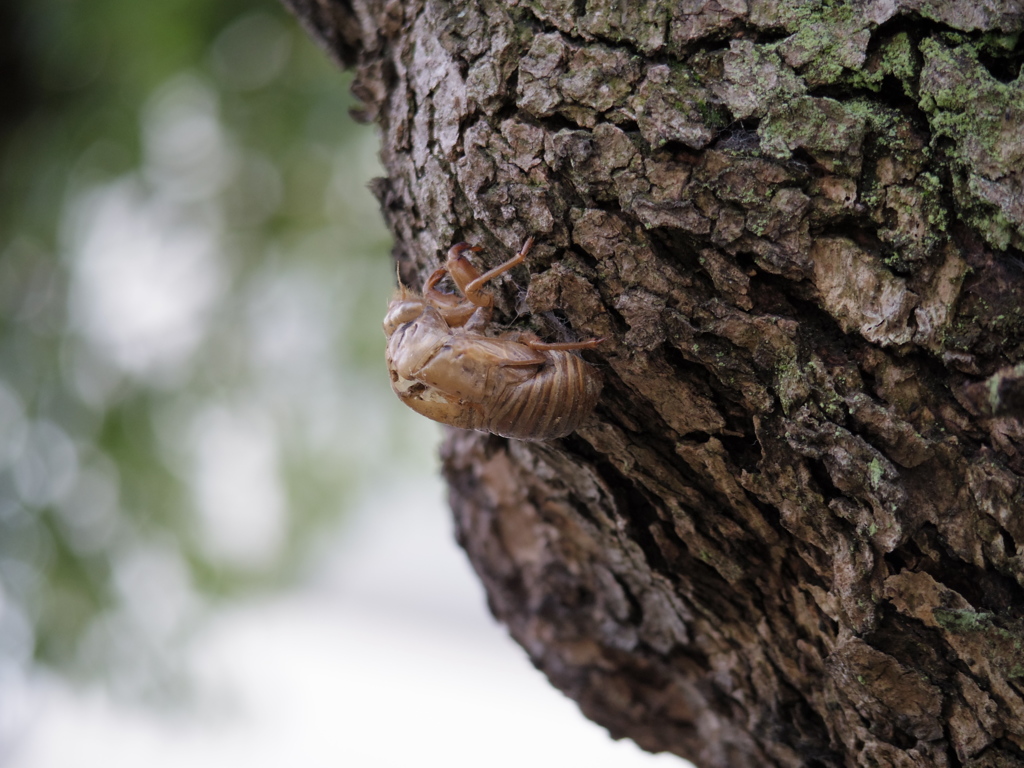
[{"x": 456, "y": 251}]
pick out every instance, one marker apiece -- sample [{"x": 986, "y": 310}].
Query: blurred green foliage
[{"x": 192, "y": 276}]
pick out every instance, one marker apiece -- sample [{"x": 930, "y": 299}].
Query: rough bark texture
[{"x": 792, "y": 533}]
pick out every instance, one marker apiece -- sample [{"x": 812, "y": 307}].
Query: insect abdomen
[{"x": 549, "y": 405}]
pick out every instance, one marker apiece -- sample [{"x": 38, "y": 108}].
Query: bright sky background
[{"x": 385, "y": 657}]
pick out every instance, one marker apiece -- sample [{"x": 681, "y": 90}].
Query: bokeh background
[{"x": 221, "y": 537}]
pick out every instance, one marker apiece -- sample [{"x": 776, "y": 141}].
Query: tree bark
[{"x": 792, "y": 532}]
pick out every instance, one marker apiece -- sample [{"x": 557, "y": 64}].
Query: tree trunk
[{"x": 791, "y": 534}]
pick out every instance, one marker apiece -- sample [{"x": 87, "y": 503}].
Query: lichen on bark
[{"x": 792, "y": 532}]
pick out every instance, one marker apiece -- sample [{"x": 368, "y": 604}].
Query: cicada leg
[
  {"x": 533, "y": 342},
  {"x": 454, "y": 309},
  {"x": 472, "y": 288},
  {"x": 435, "y": 277},
  {"x": 564, "y": 346},
  {"x": 469, "y": 281}
]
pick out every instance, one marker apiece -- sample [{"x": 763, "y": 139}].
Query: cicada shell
[{"x": 445, "y": 365}]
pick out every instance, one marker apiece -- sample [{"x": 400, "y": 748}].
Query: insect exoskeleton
[{"x": 445, "y": 366}]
